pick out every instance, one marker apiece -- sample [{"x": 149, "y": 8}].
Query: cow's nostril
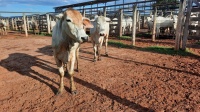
[
  {"x": 84, "y": 39},
  {"x": 101, "y": 34}
]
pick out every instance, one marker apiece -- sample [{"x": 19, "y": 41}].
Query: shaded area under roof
[{"x": 84, "y": 3}]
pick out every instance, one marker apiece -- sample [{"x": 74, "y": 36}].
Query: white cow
[
  {"x": 193, "y": 23},
  {"x": 52, "y": 24},
  {"x": 67, "y": 35},
  {"x": 3, "y": 30},
  {"x": 126, "y": 25},
  {"x": 98, "y": 34},
  {"x": 162, "y": 22}
]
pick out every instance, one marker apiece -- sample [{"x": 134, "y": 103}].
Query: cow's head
[
  {"x": 101, "y": 24},
  {"x": 175, "y": 19},
  {"x": 73, "y": 25}
]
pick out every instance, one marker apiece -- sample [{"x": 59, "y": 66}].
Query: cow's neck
[{"x": 68, "y": 42}]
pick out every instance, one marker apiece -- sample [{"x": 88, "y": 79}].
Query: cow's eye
[{"x": 68, "y": 20}]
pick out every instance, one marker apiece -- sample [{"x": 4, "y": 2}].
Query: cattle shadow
[
  {"x": 152, "y": 65},
  {"x": 47, "y": 50},
  {"x": 94, "y": 87},
  {"x": 194, "y": 45},
  {"x": 23, "y": 63},
  {"x": 110, "y": 95}
]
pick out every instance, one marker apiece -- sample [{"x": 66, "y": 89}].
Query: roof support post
[
  {"x": 179, "y": 24},
  {"x": 185, "y": 32},
  {"x": 120, "y": 22},
  {"x": 134, "y": 24},
  {"x": 154, "y": 32}
]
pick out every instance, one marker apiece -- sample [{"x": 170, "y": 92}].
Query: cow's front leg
[
  {"x": 99, "y": 52},
  {"x": 71, "y": 73},
  {"x": 106, "y": 45},
  {"x": 77, "y": 58},
  {"x": 99, "y": 47},
  {"x": 62, "y": 73},
  {"x": 95, "y": 52}
]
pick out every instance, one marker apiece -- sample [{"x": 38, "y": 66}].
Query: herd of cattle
[
  {"x": 165, "y": 25},
  {"x": 69, "y": 31}
]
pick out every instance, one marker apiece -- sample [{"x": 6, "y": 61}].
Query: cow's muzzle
[
  {"x": 84, "y": 39},
  {"x": 101, "y": 34}
]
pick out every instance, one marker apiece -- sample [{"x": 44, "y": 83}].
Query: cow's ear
[
  {"x": 87, "y": 23},
  {"x": 107, "y": 19}
]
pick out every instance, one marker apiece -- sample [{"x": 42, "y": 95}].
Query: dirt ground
[{"x": 128, "y": 80}]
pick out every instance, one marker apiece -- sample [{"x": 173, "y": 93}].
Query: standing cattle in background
[
  {"x": 52, "y": 24},
  {"x": 3, "y": 27},
  {"x": 126, "y": 25},
  {"x": 193, "y": 23},
  {"x": 34, "y": 26},
  {"x": 162, "y": 22},
  {"x": 67, "y": 34},
  {"x": 98, "y": 34}
]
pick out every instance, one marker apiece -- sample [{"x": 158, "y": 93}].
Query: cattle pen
[
  {"x": 138, "y": 11},
  {"x": 142, "y": 70}
]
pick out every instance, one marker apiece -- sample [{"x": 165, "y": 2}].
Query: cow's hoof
[
  {"x": 94, "y": 60},
  {"x": 76, "y": 70},
  {"x": 74, "y": 92},
  {"x": 58, "y": 93}
]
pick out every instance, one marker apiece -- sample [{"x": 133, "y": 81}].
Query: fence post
[
  {"x": 185, "y": 31},
  {"x": 15, "y": 23},
  {"x": 104, "y": 11},
  {"x": 138, "y": 20},
  {"x": 182, "y": 7},
  {"x": 12, "y": 21},
  {"x": 134, "y": 24},
  {"x": 25, "y": 27},
  {"x": 120, "y": 22},
  {"x": 154, "y": 32},
  {"x": 48, "y": 24}
]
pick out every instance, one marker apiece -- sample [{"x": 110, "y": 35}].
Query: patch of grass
[
  {"x": 154, "y": 49},
  {"x": 124, "y": 37},
  {"x": 137, "y": 35},
  {"x": 167, "y": 50},
  {"x": 119, "y": 44},
  {"x": 198, "y": 43},
  {"x": 143, "y": 35},
  {"x": 45, "y": 34}
]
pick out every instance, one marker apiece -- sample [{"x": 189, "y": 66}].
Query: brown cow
[{"x": 67, "y": 34}]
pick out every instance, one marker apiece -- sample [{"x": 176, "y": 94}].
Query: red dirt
[{"x": 127, "y": 80}]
